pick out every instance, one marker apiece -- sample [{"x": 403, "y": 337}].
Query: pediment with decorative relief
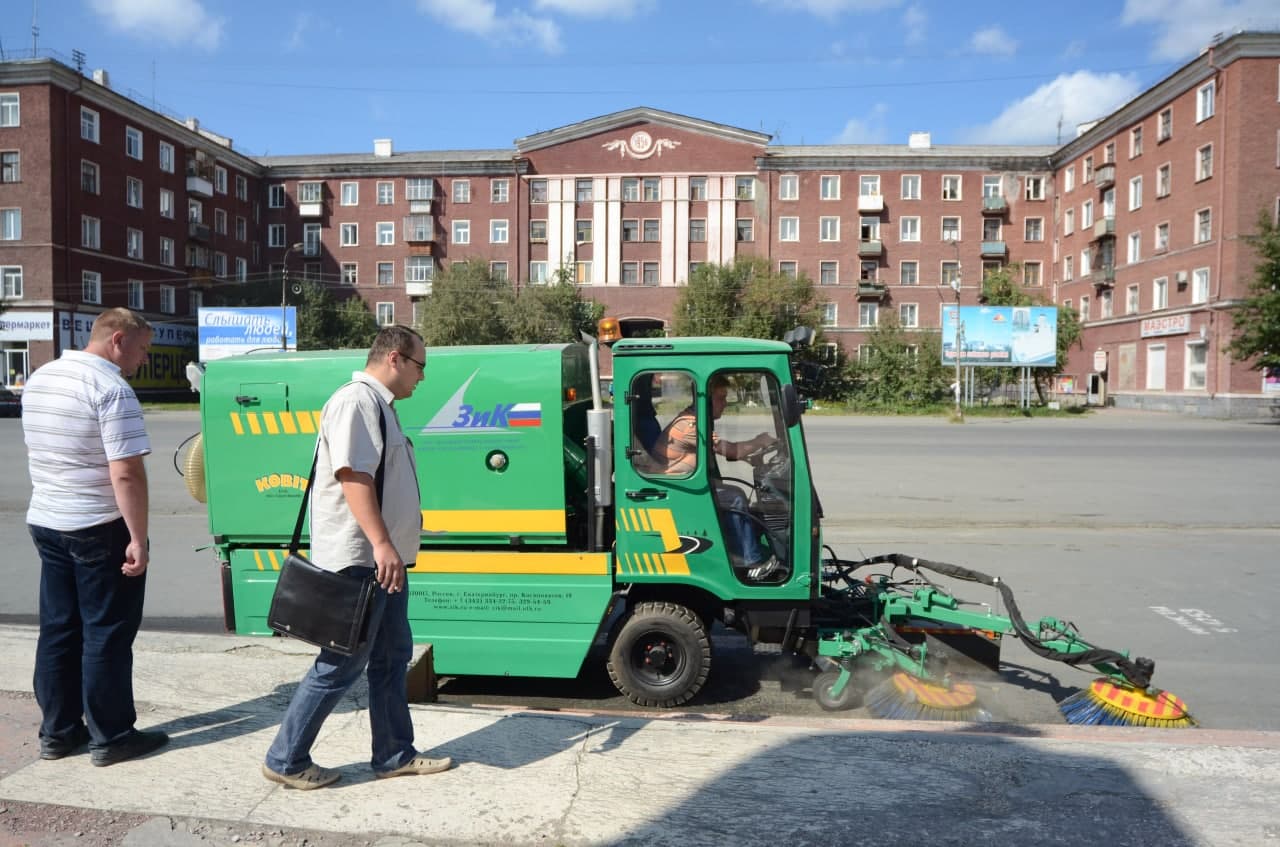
[{"x": 639, "y": 133}]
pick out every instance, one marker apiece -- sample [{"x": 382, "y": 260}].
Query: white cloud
[
  {"x": 914, "y": 19},
  {"x": 993, "y": 41},
  {"x": 594, "y": 8},
  {"x": 481, "y": 18},
  {"x": 173, "y": 22},
  {"x": 869, "y": 129},
  {"x": 1073, "y": 98},
  {"x": 830, "y": 8},
  {"x": 296, "y": 40},
  {"x": 1184, "y": 27}
]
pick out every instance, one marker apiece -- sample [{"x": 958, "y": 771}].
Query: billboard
[
  {"x": 1002, "y": 336},
  {"x": 232, "y": 331}
]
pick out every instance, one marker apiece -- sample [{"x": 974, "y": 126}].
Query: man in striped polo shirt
[{"x": 88, "y": 517}]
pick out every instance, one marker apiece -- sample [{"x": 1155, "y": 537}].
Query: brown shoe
[
  {"x": 313, "y": 777},
  {"x": 418, "y": 766}
]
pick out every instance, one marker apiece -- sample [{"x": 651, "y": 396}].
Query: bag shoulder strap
[{"x": 379, "y": 477}]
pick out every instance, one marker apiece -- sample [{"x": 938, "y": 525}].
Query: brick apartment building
[{"x": 1138, "y": 223}]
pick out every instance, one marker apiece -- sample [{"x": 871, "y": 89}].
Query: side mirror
[{"x": 792, "y": 407}]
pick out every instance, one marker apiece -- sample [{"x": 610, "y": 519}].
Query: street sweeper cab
[{"x": 554, "y": 519}]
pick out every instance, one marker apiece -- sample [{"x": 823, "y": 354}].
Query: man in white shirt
[
  {"x": 363, "y": 524},
  {"x": 88, "y": 518}
]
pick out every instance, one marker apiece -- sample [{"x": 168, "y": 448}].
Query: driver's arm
[{"x": 735, "y": 450}]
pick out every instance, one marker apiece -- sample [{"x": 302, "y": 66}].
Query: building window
[
  {"x": 1131, "y": 300},
  {"x": 1204, "y": 225},
  {"x": 651, "y": 229},
  {"x": 789, "y": 187},
  {"x": 242, "y": 228},
  {"x": 461, "y": 232},
  {"x": 630, "y": 229},
  {"x": 1162, "y": 237},
  {"x": 828, "y": 229},
  {"x": 1084, "y": 308},
  {"x": 789, "y": 268},
  {"x": 1086, "y": 214},
  {"x": 828, "y": 273},
  {"x": 166, "y": 251},
  {"x": 462, "y": 191},
  {"x": 386, "y": 273},
  {"x": 909, "y": 273},
  {"x": 220, "y": 179},
  {"x": 1032, "y": 275},
  {"x": 88, "y": 177},
  {"x": 498, "y": 231},
  {"x": 1086, "y": 262},
  {"x": 90, "y": 232},
  {"x": 91, "y": 286},
  {"x": 631, "y": 190},
  {"x": 698, "y": 188},
  {"x": 135, "y": 294},
  {"x": 1069, "y": 179},
  {"x": 909, "y": 229},
  {"x": 650, "y": 272},
  {"x": 166, "y": 157},
  {"x": 133, "y": 243},
  {"x": 788, "y": 229},
  {"x": 868, "y": 314},
  {"x": 1104, "y": 305},
  {"x": 386, "y": 314},
  {"x": 1160, "y": 293},
  {"x": 951, "y": 187},
  {"x": 630, "y": 273},
  {"x": 10, "y": 224},
  {"x": 1135, "y": 193},
  {"x": 310, "y": 192},
  {"x": 11, "y": 282},
  {"x": 537, "y": 231},
  {"x": 829, "y": 314},
  {"x": 1197, "y": 359},
  {"x": 869, "y": 271},
  {"x": 1204, "y": 162},
  {"x": 744, "y": 188},
  {"x": 133, "y": 143},
  {"x": 950, "y": 229},
  {"x": 350, "y": 194},
  {"x": 220, "y": 264},
  {"x": 652, "y": 189},
  {"x": 275, "y": 197},
  {"x": 499, "y": 191},
  {"x": 829, "y": 187},
  {"x": 1164, "y": 130},
  {"x": 1200, "y": 285},
  {"x": 418, "y": 188},
  {"x": 1035, "y": 188},
  {"x": 88, "y": 124},
  {"x": 910, "y": 186},
  {"x": 582, "y": 230},
  {"x": 350, "y": 235},
  {"x": 1033, "y": 229},
  {"x": 166, "y": 203},
  {"x": 744, "y": 229},
  {"x": 1068, "y": 268},
  {"x": 1164, "y": 180},
  {"x": 422, "y": 269},
  {"x": 1204, "y": 101},
  {"x": 537, "y": 191},
  {"x": 909, "y": 315},
  {"x": 1135, "y": 247},
  {"x": 1068, "y": 221},
  {"x": 868, "y": 185},
  {"x": 350, "y": 273},
  {"x": 168, "y": 299},
  {"x": 869, "y": 229},
  {"x": 386, "y": 193},
  {"x": 950, "y": 272},
  {"x": 275, "y": 235},
  {"x": 1109, "y": 153},
  {"x": 537, "y": 272},
  {"x": 220, "y": 221},
  {"x": 1135, "y": 142},
  {"x": 10, "y": 166},
  {"x": 582, "y": 272},
  {"x": 242, "y": 188},
  {"x": 10, "y": 110},
  {"x": 992, "y": 186},
  {"x": 385, "y": 233},
  {"x": 697, "y": 230}
]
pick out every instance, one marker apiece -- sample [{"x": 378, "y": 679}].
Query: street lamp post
[
  {"x": 284, "y": 295},
  {"x": 955, "y": 284}
]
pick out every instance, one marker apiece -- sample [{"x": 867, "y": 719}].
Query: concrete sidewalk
[{"x": 555, "y": 778}]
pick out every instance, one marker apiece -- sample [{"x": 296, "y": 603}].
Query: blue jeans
[
  {"x": 89, "y": 615},
  {"x": 742, "y": 535},
  {"x": 387, "y": 655}
]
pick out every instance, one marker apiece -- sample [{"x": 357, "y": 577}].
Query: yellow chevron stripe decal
[
  {"x": 235, "y": 423},
  {"x": 575, "y": 564},
  {"x": 257, "y": 557},
  {"x": 269, "y": 418},
  {"x": 275, "y": 423},
  {"x": 507, "y": 521},
  {"x": 287, "y": 424}
]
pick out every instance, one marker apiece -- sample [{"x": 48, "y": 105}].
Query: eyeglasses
[{"x": 422, "y": 366}]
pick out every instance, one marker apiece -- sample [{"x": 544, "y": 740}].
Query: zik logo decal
[{"x": 456, "y": 415}]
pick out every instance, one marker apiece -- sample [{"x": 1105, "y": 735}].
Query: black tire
[
  {"x": 661, "y": 656},
  {"x": 822, "y": 685}
]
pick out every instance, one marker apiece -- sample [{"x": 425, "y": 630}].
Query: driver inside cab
[{"x": 676, "y": 452}]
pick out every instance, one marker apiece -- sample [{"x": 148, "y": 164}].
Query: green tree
[
  {"x": 466, "y": 305},
  {"x": 745, "y": 299},
  {"x": 1001, "y": 287},
  {"x": 554, "y": 313},
  {"x": 1257, "y": 319},
  {"x": 900, "y": 368}
]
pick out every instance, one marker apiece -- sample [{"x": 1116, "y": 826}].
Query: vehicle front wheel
[
  {"x": 823, "y": 684},
  {"x": 661, "y": 656}
]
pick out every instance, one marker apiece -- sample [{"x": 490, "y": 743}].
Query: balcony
[
  {"x": 870, "y": 247},
  {"x": 994, "y": 250},
  {"x": 419, "y": 233},
  {"x": 198, "y": 231},
  {"x": 417, "y": 289},
  {"x": 995, "y": 205},
  {"x": 1104, "y": 228},
  {"x": 421, "y": 206},
  {"x": 1105, "y": 277},
  {"x": 871, "y": 289},
  {"x": 310, "y": 209},
  {"x": 873, "y": 203},
  {"x": 200, "y": 278},
  {"x": 197, "y": 259},
  {"x": 199, "y": 184},
  {"x": 1104, "y": 176}
]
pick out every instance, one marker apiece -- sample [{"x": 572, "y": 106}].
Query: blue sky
[{"x": 328, "y": 77}]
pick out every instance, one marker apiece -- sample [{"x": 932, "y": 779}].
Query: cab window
[{"x": 664, "y": 424}]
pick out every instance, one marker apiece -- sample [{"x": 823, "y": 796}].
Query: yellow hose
[{"x": 193, "y": 470}]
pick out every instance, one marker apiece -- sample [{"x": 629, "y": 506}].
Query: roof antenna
[
  {"x": 1059, "y": 129},
  {"x": 35, "y": 30}
]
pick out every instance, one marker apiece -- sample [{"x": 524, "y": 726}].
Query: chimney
[
  {"x": 382, "y": 148},
  {"x": 101, "y": 77},
  {"x": 919, "y": 141}
]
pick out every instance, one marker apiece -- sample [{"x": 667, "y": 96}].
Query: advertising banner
[
  {"x": 231, "y": 331},
  {"x": 1002, "y": 336},
  {"x": 26, "y": 326},
  {"x": 165, "y": 367},
  {"x": 74, "y": 329}
]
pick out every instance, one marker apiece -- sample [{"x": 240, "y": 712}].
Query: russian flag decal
[{"x": 525, "y": 414}]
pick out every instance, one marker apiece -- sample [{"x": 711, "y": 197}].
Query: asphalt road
[{"x": 1155, "y": 534}]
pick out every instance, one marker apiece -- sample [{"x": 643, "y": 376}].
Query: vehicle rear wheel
[{"x": 661, "y": 656}]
